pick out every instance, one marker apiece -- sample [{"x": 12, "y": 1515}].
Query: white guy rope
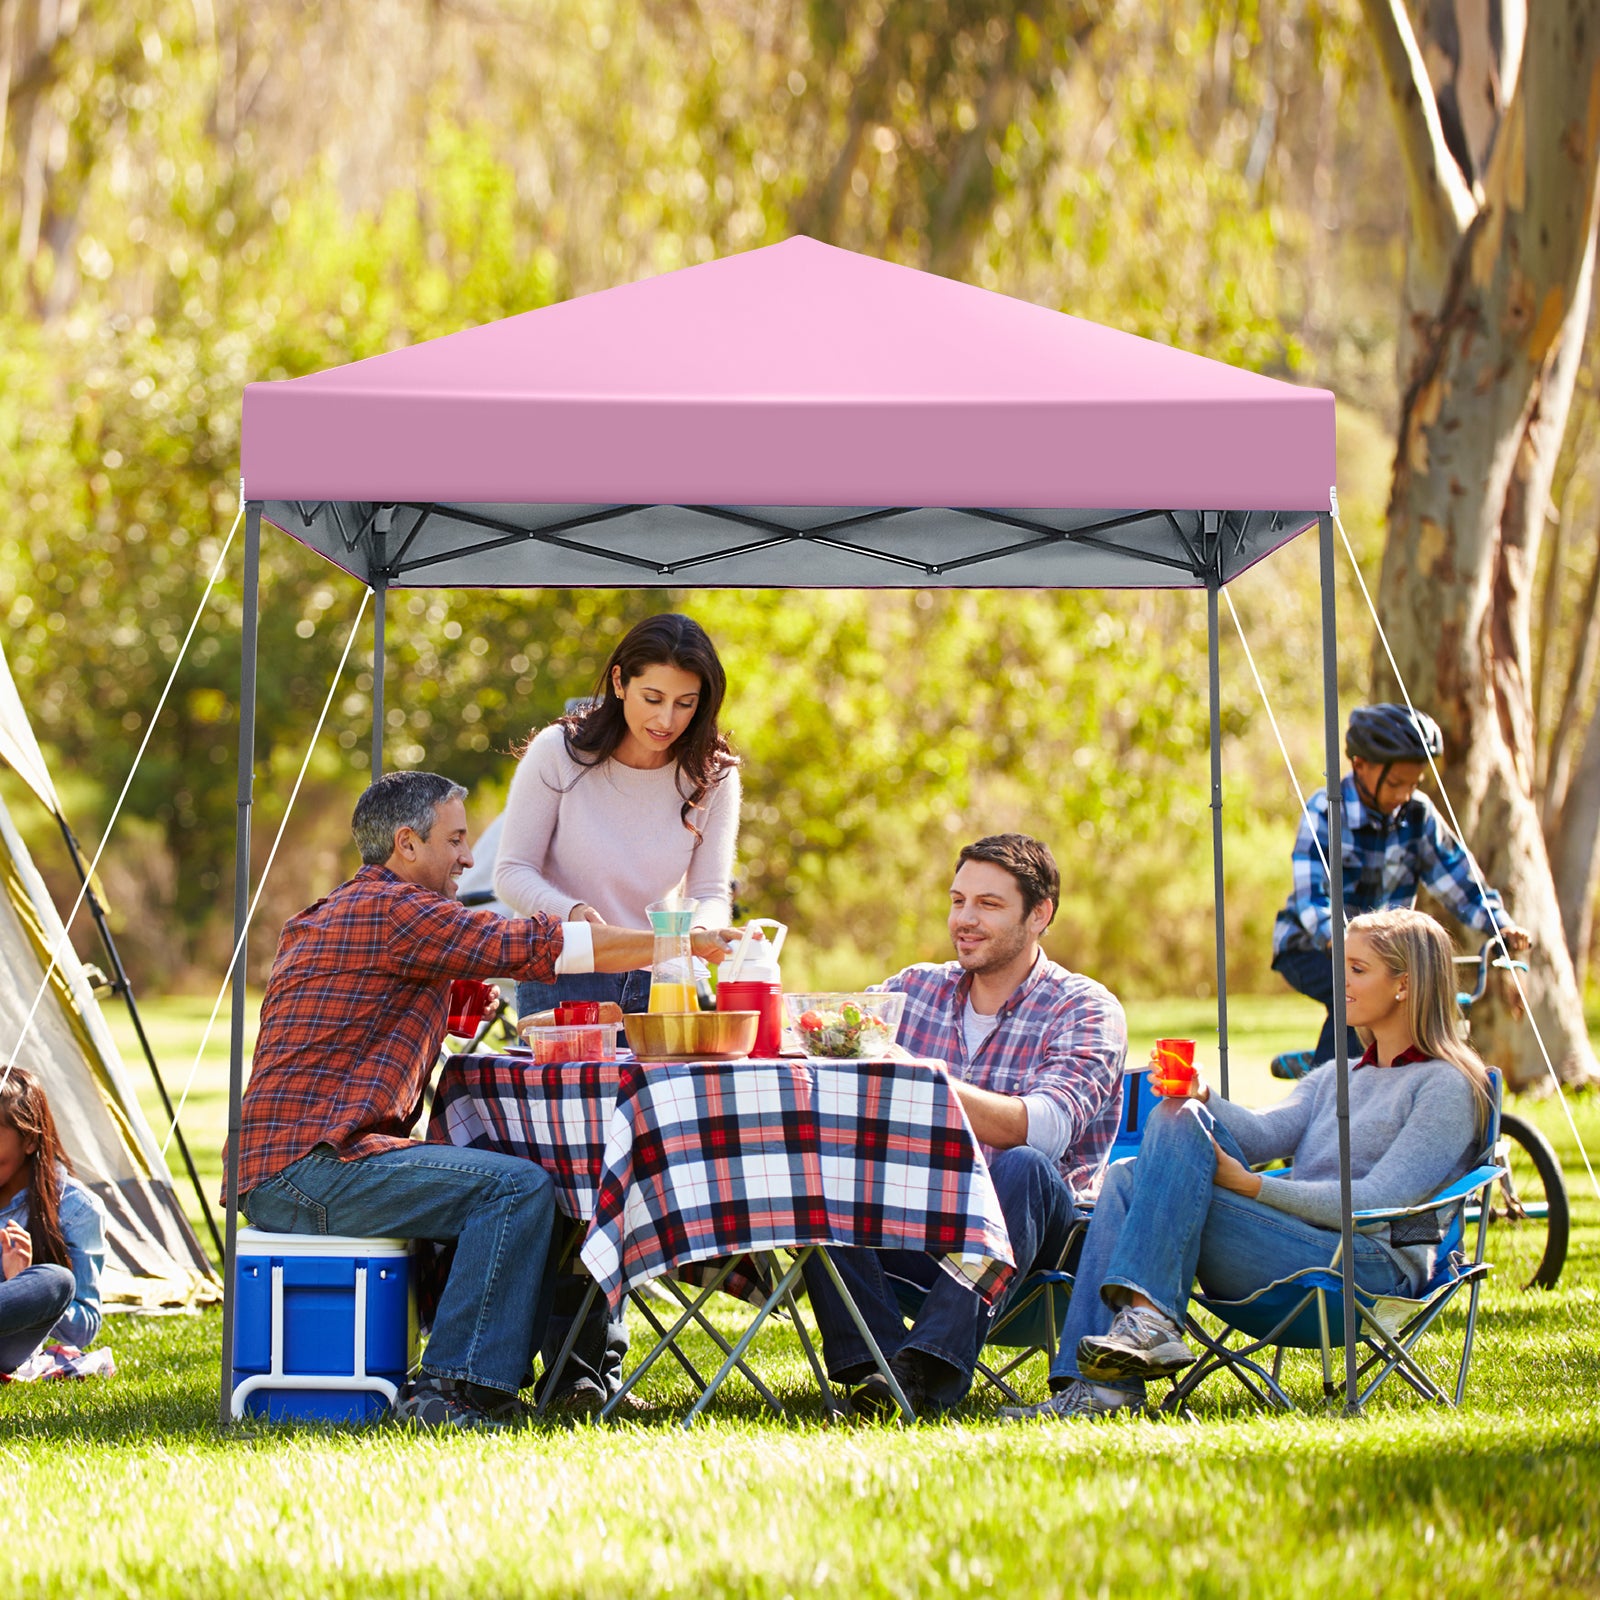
[
  {"x": 1472, "y": 860},
  {"x": 116, "y": 810},
  {"x": 272, "y": 855},
  {"x": 1283, "y": 750}
]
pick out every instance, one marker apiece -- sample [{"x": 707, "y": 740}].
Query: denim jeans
[
  {"x": 30, "y": 1306},
  {"x": 630, "y": 990},
  {"x": 951, "y": 1322},
  {"x": 603, "y": 1341},
  {"x": 499, "y": 1209},
  {"x": 1160, "y": 1221},
  {"x": 1311, "y": 973}
]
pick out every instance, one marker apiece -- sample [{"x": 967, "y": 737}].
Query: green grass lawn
[{"x": 125, "y": 1487}]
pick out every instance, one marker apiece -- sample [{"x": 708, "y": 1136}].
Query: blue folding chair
[
  {"x": 1305, "y": 1311},
  {"x": 1031, "y": 1325}
]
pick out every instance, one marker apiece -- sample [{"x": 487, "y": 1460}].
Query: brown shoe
[{"x": 875, "y": 1400}]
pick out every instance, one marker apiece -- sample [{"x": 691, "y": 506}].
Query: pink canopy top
[{"x": 800, "y": 375}]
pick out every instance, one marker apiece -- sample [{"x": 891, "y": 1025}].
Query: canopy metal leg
[
  {"x": 241, "y": 910},
  {"x": 1341, "y": 1049},
  {"x": 380, "y": 594},
  {"x": 1214, "y": 650}
]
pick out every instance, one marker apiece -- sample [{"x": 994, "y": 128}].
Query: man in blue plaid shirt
[
  {"x": 1035, "y": 1053},
  {"x": 1394, "y": 840}
]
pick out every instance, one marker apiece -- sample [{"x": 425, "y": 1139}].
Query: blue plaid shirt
[
  {"x": 1060, "y": 1035},
  {"x": 1385, "y": 858}
]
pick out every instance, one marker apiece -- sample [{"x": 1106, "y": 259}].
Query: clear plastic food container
[{"x": 589, "y": 1041}]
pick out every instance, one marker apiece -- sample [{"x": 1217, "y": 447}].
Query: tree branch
[
  {"x": 1442, "y": 205},
  {"x": 818, "y": 210}
]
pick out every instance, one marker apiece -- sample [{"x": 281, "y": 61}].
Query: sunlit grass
[{"x": 126, "y": 1486}]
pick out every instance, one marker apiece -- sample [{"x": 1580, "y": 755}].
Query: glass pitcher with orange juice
[{"x": 672, "y": 960}]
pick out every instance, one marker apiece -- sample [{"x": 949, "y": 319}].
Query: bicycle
[{"x": 1531, "y": 1217}]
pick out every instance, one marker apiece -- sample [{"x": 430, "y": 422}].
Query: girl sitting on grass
[
  {"x": 1188, "y": 1205},
  {"x": 52, "y": 1230}
]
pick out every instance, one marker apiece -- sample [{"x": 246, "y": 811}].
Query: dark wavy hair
[
  {"x": 23, "y": 1106},
  {"x": 1028, "y": 861},
  {"x": 702, "y": 751}
]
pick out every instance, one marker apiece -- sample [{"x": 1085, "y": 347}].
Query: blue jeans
[
  {"x": 499, "y": 1209},
  {"x": 1160, "y": 1221},
  {"x": 1311, "y": 973},
  {"x": 603, "y": 1342},
  {"x": 630, "y": 990},
  {"x": 31, "y": 1304},
  {"x": 951, "y": 1321}
]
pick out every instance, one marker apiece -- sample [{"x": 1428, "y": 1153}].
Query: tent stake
[{"x": 241, "y": 910}]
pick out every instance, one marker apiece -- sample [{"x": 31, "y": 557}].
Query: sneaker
[
  {"x": 586, "y": 1398},
  {"x": 436, "y": 1403},
  {"x": 1077, "y": 1402},
  {"x": 1141, "y": 1343},
  {"x": 581, "y": 1398},
  {"x": 875, "y": 1400},
  {"x": 1294, "y": 1064},
  {"x": 503, "y": 1409}
]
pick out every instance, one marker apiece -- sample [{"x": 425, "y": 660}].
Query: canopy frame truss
[{"x": 408, "y": 543}]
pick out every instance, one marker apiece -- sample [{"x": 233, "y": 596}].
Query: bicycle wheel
[{"x": 1528, "y": 1218}]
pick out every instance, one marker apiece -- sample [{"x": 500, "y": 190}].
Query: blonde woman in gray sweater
[{"x": 1189, "y": 1206}]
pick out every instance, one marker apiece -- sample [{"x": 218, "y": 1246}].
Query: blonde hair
[{"x": 1413, "y": 946}]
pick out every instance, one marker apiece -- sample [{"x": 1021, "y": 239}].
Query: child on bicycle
[{"x": 1394, "y": 840}]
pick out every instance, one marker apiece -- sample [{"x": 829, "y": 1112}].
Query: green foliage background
[{"x": 286, "y": 188}]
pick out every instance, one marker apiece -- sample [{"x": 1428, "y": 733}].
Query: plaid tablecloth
[
  {"x": 555, "y": 1115},
  {"x": 707, "y": 1161}
]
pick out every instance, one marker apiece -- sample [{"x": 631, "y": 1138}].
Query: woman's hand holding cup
[{"x": 1173, "y": 1073}]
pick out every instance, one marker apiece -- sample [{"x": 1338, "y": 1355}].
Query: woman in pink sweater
[
  {"x": 626, "y": 802},
  {"x": 609, "y": 810}
]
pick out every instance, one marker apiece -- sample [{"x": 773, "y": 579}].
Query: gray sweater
[{"x": 1413, "y": 1129}]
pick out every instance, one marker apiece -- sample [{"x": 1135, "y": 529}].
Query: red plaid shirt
[{"x": 355, "y": 1012}]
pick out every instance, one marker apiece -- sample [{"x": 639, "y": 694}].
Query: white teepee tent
[{"x": 153, "y": 1258}]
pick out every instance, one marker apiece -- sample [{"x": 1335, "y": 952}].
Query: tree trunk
[
  {"x": 1574, "y": 849},
  {"x": 1558, "y": 766},
  {"x": 1486, "y": 398}
]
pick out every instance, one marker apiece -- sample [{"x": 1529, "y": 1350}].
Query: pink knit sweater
[{"x": 611, "y": 837}]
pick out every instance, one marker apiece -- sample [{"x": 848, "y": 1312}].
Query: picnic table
[{"x": 701, "y": 1171}]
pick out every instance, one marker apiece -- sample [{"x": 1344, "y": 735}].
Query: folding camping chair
[
  {"x": 1305, "y": 1311},
  {"x": 1031, "y": 1325}
]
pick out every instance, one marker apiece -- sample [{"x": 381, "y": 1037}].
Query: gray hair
[{"x": 399, "y": 800}]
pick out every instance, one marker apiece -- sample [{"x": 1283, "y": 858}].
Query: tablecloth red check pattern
[
  {"x": 705, "y": 1161},
  {"x": 556, "y": 1115}
]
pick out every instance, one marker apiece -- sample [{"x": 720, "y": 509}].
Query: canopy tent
[
  {"x": 153, "y": 1258},
  {"x": 794, "y": 417}
]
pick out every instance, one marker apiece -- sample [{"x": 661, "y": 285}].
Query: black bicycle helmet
[{"x": 1390, "y": 732}]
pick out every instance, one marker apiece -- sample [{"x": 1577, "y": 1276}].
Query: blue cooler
[{"x": 325, "y": 1327}]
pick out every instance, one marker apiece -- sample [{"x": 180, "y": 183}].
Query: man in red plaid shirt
[
  {"x": 352, "y": 1022},
  {"x": 1035, "y": 1055}
]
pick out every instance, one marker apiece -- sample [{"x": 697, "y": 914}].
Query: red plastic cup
[
  {"x": 1174, "y": 1073},
  {"x": 470, "y": 999},
  {"x": 577, "y": 1013}
]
